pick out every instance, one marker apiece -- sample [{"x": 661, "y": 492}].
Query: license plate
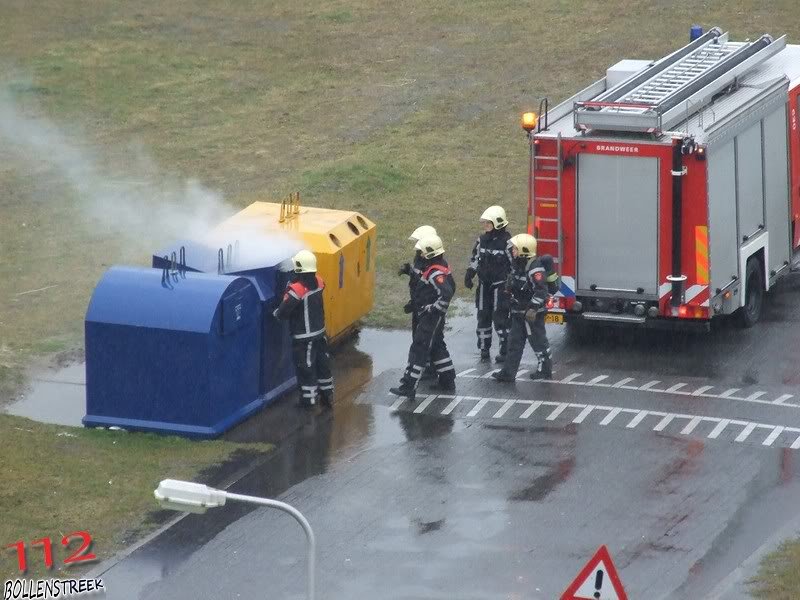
[{"x": 554, "y": 318}]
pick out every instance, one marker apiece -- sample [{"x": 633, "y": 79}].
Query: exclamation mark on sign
[{"x": 598, "y": 583}]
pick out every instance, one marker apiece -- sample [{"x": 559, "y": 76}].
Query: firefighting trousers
[
  {"x": 534, "y": 333},
  {"x": 428, "y": 346},
  {"x": 493, "y": 304},
  {"x": 313, "y": 367}
]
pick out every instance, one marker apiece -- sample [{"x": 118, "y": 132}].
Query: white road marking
[
  {"x": 662, "y": 424},
  {"x": 649, "y": 385},
  {"x": 451, "y": 407},
  {"x": 529, "y": 411},
  {"x": 674, "y": 388},
  {"x": 776, "y": 431},
  {"x": 466, "y": 373},
  {"x": 424, "y": 404},
  {"x": 584, "y": 413},
  {"x": 622, "y": 382},
  {"x": 719, "y": 429},
  {"x": 521, "y": 373},
  {"x": 610, "y": 416},
  {"x": 489, "y": 374},
  {"x": 702, "y": 390},
  {"x": 586, "y": 409},
  {"x": 558, "y": 410},
  {"x": 504, "y": 409},
  {"x": 695, "y": 421},
  {"x": 755, "y": 397},
  {"x": 637, "y": 419},
  {"x": 748, "y": 429},
  {"x": 477, "y": 408}
]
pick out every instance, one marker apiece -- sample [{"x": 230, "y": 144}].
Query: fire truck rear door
[{"x": 617, "y": 223}]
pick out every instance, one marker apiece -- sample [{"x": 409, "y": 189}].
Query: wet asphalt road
[{"x": 679, "y": 452}]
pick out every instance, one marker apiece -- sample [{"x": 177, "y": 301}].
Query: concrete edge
[
  {"x": 110, "y": 563},
  {"x": 726, "y": 588}
]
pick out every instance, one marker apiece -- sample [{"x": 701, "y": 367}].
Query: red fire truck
[{"x": 669, "y": 191}]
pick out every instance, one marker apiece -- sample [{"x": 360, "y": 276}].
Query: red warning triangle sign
[{"x": 598, "y": 580}]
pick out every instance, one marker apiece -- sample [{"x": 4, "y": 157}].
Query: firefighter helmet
[
  {"x": 430, "y": 246},
  {"x": 496, "y": 215},
  {"x": 421, "y": 232},
  {"x": 525, "y": 244},
  {"x": 305, "y": 262}
]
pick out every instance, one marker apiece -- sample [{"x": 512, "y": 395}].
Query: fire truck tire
[{"x": 750, "y": 313}]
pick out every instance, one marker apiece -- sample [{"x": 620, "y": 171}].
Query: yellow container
[{"x": 345, "y": 245}]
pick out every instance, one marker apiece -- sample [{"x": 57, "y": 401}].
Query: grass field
[
  {"x": 61, "y": 479},
  {"x": 407, "y": 111}
]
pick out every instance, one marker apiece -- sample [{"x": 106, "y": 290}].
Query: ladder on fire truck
[
  {"x": 677, "y": 86},
  {"x": 546, "y": 200}
]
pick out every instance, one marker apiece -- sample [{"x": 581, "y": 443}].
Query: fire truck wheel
[{"x": 754, "y": 294}]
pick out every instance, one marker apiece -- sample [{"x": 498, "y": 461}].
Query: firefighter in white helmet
[
  {"x": 430, "y": 301},
  {"x": 414, "y": 271},
  {"x": 302, "y": 307},
  {"x": 531, "y": 281},
  {"x": 491, "y": 262}
]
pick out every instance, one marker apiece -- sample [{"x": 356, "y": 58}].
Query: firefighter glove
[
  {"x": 468, "y": 278},
  {"x": 408, "y": 308},
  {"x": 405, "y": 269},
  {"x": 530, "y": 315}
]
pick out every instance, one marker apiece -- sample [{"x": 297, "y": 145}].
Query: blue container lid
[{"x": 137, "y": 297}]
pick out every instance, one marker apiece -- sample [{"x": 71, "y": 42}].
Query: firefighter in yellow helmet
[
  {"x": 414, "y": 271},
  {"x": 302, "y": 307},
  {"x": 430, "y": 301},
  {"x": 491, "y": 262},
  {"x": 531, "y": 281}
]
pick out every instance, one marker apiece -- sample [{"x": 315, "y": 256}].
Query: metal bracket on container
[
  {"x": 290, "y": 207},
  {"x": 220, "y": 262}
]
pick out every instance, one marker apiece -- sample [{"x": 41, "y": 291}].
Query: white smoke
[{"x": 139, "y": 203}]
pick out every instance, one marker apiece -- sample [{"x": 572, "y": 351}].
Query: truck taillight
[
  {"x": 692, "y": 312},
  {"x": 555, "y": 302}
]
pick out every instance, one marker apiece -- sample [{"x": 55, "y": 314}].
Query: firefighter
[
  {"x": 491, "y": 262},
  {"x": 302, "y": 307},
  {"x": 431, "y": 299},
  {"x": 413, "y": 270},
  {"x": 531, "y": 281}
]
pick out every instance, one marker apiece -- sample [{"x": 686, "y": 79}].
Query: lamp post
[{"x": 187, "y": 496}]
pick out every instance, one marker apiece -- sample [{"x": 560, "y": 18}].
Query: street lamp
[{"x": 187, "y": 496}]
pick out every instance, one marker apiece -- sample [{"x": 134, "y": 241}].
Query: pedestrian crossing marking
[
  {"x": 756, "y": 397},
  {"x": 578, "y": 413}
]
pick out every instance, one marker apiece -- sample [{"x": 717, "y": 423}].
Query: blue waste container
[
  {"x": 277, "y": 374},
  {"x": 170, "y": 354}
]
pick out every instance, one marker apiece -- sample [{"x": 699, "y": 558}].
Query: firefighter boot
[
  {"x": 407, "y": 387},
  {"x": 485, "y": 355},
  {"x": 501, "y": 357},
  {"x": 447, "y": 382},
  {"x": 502, "y": 376},
  {"x": 326, "y": 398},
  {"x": 404, "y": 389},
  {"x": 545, "y": 370}
]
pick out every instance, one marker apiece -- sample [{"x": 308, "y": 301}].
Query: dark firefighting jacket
[
  {"x": 302, "y": 306},
  {"x": 491, "y": 257},
  {"x": 435, "y": 287}
]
